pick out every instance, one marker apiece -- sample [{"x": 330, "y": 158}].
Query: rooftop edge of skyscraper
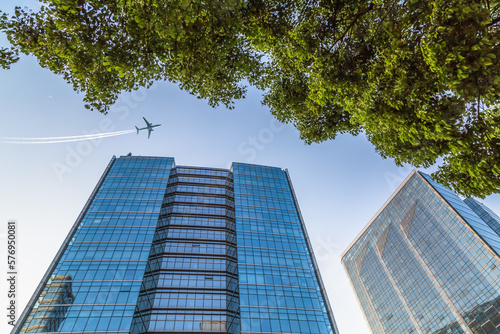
[
  {"x": 428, "y": 180},
  {"x": 138, "y": 196},
  {"x": 427, "y": 262},
  {"x": 386, "y": 203}
]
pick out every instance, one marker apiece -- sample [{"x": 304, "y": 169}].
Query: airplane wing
[
  {"x": 147, "y": 123},
  {"x": 149, "y": 132}
]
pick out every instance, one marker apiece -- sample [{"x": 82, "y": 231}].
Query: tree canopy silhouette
[{"x": 420, "y": 78}]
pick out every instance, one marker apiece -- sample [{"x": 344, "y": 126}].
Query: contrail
[
  {"x": 97, "y": 136},
  {"x": 60, "y": 138},
  {"x": 66, "y": 139}
]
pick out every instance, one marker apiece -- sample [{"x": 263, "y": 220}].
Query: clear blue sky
[{"x": 340, "y": 184}]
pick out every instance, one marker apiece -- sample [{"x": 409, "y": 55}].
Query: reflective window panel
[{"x": 428, "y": 262}]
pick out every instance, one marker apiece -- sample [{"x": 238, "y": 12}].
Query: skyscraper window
[{"x": 164, "y": 248}]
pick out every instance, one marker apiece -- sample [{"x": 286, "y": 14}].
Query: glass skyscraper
[
  {"x": 160, "y": 248},
  {"x": 428, "y": 262}
]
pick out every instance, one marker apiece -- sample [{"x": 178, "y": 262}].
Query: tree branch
[
  {"x": 370, "y": 7},
  {"x": 495, "y": 21},
  {"x": 303, "y": 12}
]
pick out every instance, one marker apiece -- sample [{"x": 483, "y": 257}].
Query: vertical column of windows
[
  {"x": 429, "y": 310},
  {"x": 391, "y": 309},
  {"x": 464, "y": 281},
  {"x": 279, "y": 291},
  {"x": 191, "y": 282}
]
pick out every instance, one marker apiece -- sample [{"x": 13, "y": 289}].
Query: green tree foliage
[
  {"x": 105, "y": 47},
  {"x": 420, "y": 78},
  {"x": 7, "y": 56}
]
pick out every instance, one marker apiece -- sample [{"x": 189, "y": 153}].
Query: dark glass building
[
  {"x": 160, "y": 248},
  {"x": 428, "y": 262}
]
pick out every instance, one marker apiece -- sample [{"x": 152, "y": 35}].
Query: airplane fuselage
[{"x": 149, "y": 127}]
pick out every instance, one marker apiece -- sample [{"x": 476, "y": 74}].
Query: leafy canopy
[{"x": 420, "y": 78}]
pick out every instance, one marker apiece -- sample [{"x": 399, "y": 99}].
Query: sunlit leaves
[
  {"x": 8, "y": 56},
  {"x": 105, "y": 47},
  {"x": 421, "y": 78}
]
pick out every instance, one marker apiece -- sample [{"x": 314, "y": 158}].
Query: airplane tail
[{"x": 137, "y": 129}]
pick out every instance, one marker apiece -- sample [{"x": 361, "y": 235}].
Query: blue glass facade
[
  {"x": 191, "y": 282},
  {"x": 279, "y": 286},
  {"x": 104, "y": 258},
  {"x": 485, "y": 213},
  {"x": 162, "y": 248},
  {"x": 426, "y": 263}
]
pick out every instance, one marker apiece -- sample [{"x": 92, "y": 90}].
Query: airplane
[{"x": 148, "y": 127}]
